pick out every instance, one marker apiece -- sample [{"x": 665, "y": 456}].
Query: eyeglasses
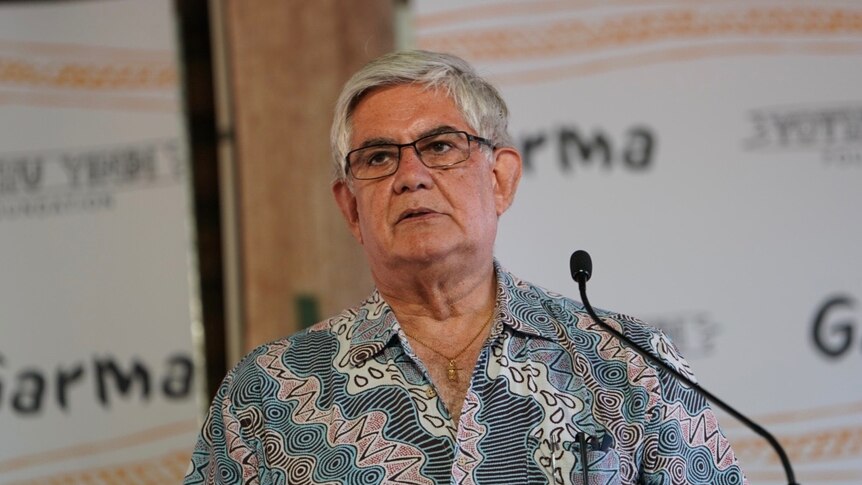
[{"x": 440, "y": 150}]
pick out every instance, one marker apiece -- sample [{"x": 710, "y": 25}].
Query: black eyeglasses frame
[{"x": 400, "y": 146}]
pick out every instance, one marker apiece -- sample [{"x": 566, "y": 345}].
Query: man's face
[{"x": 421, "y": 214}]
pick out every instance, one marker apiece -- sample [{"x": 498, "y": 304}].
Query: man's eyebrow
[
  {"x": 391, "y": 141},
  {"x": 376, "y": 141},
  {"x": 438, "y": 130}
]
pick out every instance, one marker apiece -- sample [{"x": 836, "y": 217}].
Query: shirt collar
[
  {"x": 521, "y": 306},
  {"x": 526, "y": 308}
]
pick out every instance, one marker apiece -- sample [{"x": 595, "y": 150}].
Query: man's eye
[
  {"x": 437, "y": 147},
  {"x": 379, "y": 157},
  {"x": 441, "y": 147}
]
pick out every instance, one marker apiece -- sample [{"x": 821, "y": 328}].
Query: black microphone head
[{"x": 581, "y": 265}]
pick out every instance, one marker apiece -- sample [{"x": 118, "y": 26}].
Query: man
[{"x": 453, "y": 370}]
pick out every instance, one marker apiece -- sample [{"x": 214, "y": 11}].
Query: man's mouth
[{"x": 414, "y": 214}]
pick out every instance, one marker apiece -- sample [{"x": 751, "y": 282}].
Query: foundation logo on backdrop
[
  {"x": 51, "y": 182},
  {"x": 573, "y": 150},
  {"x": 834, "y": 131},
  {"x": 103, "y": 379},
  {"x": 835, "y": 328}
]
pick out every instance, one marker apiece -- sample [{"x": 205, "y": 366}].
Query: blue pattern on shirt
[{"x": 347, "y": 402}]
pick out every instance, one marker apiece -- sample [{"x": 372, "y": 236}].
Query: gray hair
[{"x": 478, "y": 101}]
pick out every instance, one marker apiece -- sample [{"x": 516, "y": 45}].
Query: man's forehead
[
  {"x": 415, "y": 88},
  {"x": 391, "y": 114},
  {"x": 422, "y": 134}
]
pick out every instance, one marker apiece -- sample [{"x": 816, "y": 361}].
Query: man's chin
[{"x": 431, "y": 253}]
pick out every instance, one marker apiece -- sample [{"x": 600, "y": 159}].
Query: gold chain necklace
[{"x": 451, "y": 368}]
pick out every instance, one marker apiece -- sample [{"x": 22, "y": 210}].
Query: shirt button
[{"x": 431, "y": 393}]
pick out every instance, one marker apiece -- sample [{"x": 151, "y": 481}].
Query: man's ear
[
  {"x": 347, "y": 203},
  {"x": 506, "y": 174}
]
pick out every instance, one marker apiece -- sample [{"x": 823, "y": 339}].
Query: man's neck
[{"x": 438, "y": 293}]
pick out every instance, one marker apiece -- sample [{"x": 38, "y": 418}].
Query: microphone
[{"x": 581, "y": 266}]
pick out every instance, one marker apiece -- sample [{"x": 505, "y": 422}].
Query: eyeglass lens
[{"x": 439, "y": 150}]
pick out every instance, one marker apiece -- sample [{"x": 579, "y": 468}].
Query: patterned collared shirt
[{"x": 552, "y": 397}]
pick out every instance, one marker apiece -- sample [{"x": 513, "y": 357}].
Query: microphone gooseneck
[{"x": 581, "y": 266}]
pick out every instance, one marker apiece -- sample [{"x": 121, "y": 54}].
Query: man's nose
[{"x": 412, "y": 174}]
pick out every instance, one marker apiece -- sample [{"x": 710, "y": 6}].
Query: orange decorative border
[
  {"x": 833, "y": 445},
  {"x": 825, "y": 445},
  {"x": 102, "y": 75},
  {"x": 169, "y": 468},
  {"x": 580, "y": 47},
  {"x": 674, "y": 55},
  {"x": 90, "y": 77},
  {"x": 520, "y": 8},
  {"x": 103, "y": 446},
  {"x": 639, "y": 28}
]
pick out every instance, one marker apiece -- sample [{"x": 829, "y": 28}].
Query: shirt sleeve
[
  {"x": 226, "y": 451},
  {"x": 683, "y": 441}
]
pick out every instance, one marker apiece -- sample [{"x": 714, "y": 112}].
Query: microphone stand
[{"x": 582, "y": 277}]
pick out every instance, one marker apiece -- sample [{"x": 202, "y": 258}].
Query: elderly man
[{"x": 453, "y": 370}]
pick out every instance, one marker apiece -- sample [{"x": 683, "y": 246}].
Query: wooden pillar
[{"x": 286, "y": 62}]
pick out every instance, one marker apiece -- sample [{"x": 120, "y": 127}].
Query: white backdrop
[
  {"x": 95, "y": 287},
  {"x": 709, "y": 156}
]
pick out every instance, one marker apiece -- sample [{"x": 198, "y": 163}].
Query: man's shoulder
[
  {"x": 534, "y": 294},
  {"x": 529, "y": 300},
  {"x": 319, "y": 341},
  {"x": 568, "y": 310},
  {"x": 334, "y": 328}
]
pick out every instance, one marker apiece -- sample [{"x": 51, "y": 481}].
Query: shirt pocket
[
  {"x": 603, "y": 467},
  {"x": 566, "y": 465}
]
